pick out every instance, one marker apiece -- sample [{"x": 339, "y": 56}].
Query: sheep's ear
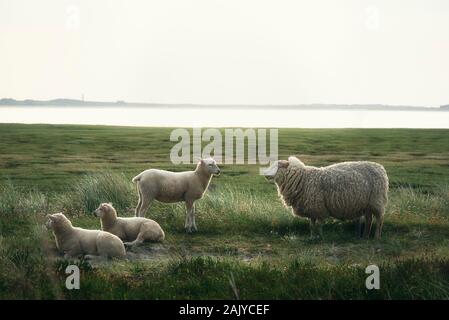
[
  {"x": 283, "y": 163},
  {"x": 295, "y": 161}
]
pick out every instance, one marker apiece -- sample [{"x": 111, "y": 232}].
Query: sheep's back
[{"x": 351, "y": 188}]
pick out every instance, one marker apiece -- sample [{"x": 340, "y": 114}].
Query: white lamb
[
  {"x": 134, "y": 230},
  {"x": 75, "y": 242},
  {"x": 166, "y": 186}
]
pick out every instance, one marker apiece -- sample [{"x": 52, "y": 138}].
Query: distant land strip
[{"x": 120, "y": 103}]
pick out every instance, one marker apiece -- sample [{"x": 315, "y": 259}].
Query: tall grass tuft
[
  {"x": 91, "y": 190},
  {"x": 415, "y": 202},
  {"x": 15, "y": 200}
]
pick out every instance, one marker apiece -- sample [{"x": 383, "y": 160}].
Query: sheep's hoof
[
  {"x": 315, "y": 238},
  {"x": 190, "y": 230}
]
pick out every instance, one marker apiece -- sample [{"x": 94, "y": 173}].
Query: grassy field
[{"x": 248, "y": 245}]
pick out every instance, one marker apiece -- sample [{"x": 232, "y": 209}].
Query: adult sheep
[
  {"x": 346, "y": 191},
  {"x": 169, "y": 187}
]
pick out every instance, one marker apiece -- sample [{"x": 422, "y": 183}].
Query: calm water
[{"x": 223, "y": 117}]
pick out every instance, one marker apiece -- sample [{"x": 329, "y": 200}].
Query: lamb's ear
[{"x": 295, "y": 161}]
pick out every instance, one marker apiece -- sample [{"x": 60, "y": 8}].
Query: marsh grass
[
  {"x": 226, "y": 213},
  {"x": 16, "y": 200},
  {"x": 93, "y": 189},
  {"x": 245, "y": 234},
  {"x": 417, "y": 202}
]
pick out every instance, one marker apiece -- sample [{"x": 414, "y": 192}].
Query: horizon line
[{"x": 124, "y": 102}]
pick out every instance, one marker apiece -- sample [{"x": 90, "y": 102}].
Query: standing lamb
[
  {"x": 347, "y": 190},
  {"x": 75, "y": 242},
  {"x": 168, "y": 187},
  {"x": 135, "y": 230}
]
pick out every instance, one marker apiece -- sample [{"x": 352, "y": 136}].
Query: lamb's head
[
  {"x": 279, "y": 168},
  {"x": 57, "y": 221},
  {"x": 208, "y": 165},
  {"x": 105, "y": 210}
]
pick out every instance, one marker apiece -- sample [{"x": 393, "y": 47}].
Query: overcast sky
[{"x": 227, "y": 51}]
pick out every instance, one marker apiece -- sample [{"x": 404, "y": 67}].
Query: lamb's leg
[
  {"x": 146, "y": 203},
  {"x": 379, "y": 223},
  {"x": 193, "y": 218},
  {"x": 368, "y": 224},
  {"x": 189, "y": 216},
  {"x": 139, "y": 240},
  {"x": 139, "y": 203}
]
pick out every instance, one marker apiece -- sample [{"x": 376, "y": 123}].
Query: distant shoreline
[{"x": 121, "y": 104}]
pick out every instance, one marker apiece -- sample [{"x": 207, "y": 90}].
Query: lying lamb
[
  {"x": 347, "y": 190},
  {"x": 166, "y": 186},
  {"x": 132, "y": 229},
  {"x": 75, "y": 242}
]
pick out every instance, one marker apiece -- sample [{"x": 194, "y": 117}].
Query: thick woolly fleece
[{"x": 346, "y": 190}]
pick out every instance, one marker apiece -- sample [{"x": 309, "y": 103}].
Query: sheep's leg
[
  {"x": 379, "y": 224},
  {"x": 368, "y": 224},
  {"x": 319, "y": 227},
  {"x": 189, "y": 216},
  {"x": 359, "y": 226},
  {"x": 312, "y": 227}
]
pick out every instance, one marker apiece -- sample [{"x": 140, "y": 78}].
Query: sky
[{"x": 227, "y": 51}]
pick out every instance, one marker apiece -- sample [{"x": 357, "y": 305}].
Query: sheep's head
[
  {"x": 278, "y": 168},
  {"x": 210, "y": 166},
  {"x": 57, "y": 221},
  {"x": 105, "y": 210}
]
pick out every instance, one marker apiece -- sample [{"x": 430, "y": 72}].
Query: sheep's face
[
  {"x": 57, "y": 221},
  {"x": 275, "y": 169},
  {"x": 103, "y": 210},
  {"x": 211, "y": 166}
]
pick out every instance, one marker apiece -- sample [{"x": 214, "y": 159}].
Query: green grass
[{"x": 245, "y": 233}]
